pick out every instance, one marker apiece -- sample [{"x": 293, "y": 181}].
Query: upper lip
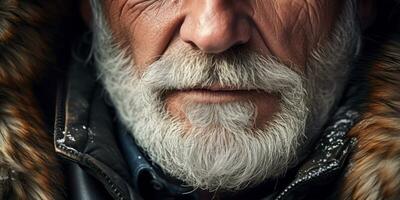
[{"x": 219, "y": 88}]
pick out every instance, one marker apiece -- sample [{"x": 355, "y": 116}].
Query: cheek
[
  {"x": 292, "y": 28},
  {"x": 144, "y": 27},
  {"x": 151, "y": 37}
]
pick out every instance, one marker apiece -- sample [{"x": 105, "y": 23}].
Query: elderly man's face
[{"x": 224, "y": 94}]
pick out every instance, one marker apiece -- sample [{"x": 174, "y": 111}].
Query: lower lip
[{"x": 214, "y": 96}]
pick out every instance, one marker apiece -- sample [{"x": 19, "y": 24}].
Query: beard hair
[{"x": 222, "y": 149}]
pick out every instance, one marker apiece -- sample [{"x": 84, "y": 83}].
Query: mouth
[
  {"x": 266, "y": 103},
  {"x": 215, "y": 94}
]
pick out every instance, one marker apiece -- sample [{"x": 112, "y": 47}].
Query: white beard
[{"x": 222, "y": 150}]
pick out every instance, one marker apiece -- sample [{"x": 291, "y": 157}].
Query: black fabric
[
  {"x": 84, "y": 132},
  {"x": 147, "y": 180},
  {"x": 82, "y": 186}
]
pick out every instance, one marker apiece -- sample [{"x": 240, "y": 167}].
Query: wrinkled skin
[{"x": 286, "y": 29}]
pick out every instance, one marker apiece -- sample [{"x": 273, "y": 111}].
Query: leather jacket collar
[{"x": 147, "y": 179}]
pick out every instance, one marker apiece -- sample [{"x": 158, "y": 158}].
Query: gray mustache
[{"x": 243, "y": 70}]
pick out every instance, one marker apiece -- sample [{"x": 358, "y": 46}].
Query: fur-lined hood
[
  {"x": 375, "y": 165},
  {"x": 28, "y": 165}
]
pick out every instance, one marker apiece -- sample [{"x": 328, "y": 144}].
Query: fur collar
[
  {"x": 28, "y": 164},
  {"x": 374, "y": 171}
]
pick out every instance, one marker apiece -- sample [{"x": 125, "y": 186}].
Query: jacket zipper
[
  {"x": 59, "y": 124},
  {"x": 322, "y": 171},
  {"x": 331, "y": 166}
]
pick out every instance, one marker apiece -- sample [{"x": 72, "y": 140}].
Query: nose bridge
[
  {"x": 214, "y": 14},
  {"x": 214, "y": 26}
]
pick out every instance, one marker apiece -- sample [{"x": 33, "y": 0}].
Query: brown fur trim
[
  {"x": 28, "y": 164},
  {"x": 375, "y": 166},
  {"x": 26, "y": 150},
  {"x": 25, "y": 38}
]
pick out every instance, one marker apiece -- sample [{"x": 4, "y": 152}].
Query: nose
[{"x": 214, "y": 26}]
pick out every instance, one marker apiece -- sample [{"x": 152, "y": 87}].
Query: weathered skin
[{"x": 287, "y": 29}]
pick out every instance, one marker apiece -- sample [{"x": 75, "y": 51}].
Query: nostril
[
  {"x": 193, "y": 45},
  {"x": 239, "y": 47},
  {"x": 240, "y": 43}
]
